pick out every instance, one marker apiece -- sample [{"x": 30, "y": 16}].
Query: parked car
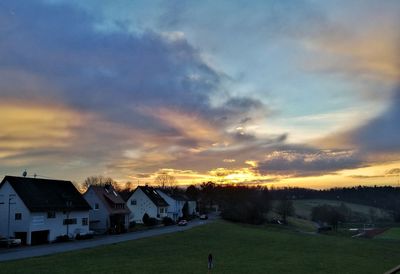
[
  {"x": 203, "y": 217},
  {"x": 182, "y": 223},
  {"x": 9, "y": 242}
]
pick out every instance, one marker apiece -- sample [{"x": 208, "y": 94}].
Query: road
[{"x": 35, "y": 251}]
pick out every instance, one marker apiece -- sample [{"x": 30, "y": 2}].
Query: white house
[
  {"x": 109, "y": 212},
  {"x": 176, "y": 204},
  {"x": 145, "y": 199},
  {"x": 39, "y": 210}
]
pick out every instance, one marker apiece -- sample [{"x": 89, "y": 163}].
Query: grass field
[
  {"x": 304, "y": 207},
  {"x": 236, "y": 249},
  {"x": 390, "y": 234}
]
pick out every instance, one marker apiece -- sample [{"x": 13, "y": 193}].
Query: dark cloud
[
  {"x": 307, "y": 162},
  {"x": 393, "y": 171},
  {"x": 382, "y": 133},
  {"x": 110, "y": 73}
]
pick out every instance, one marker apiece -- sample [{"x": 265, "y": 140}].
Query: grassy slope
[
  {"x": 236, "y": 249},
  {"x": 390, "y": 234},
  {"x": 303, "y": 207}
]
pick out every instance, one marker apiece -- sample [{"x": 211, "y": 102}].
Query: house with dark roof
[
  {"x": 178, "y": 203},
  {"x": 39, "y": 210},
  {"x": 109, "y": 212},
  {"x": 145, "y": 199}
]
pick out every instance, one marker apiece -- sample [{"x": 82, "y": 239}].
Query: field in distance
[
  {"x": 303, "y": 208},
  {"x": 236, "y": 249}
]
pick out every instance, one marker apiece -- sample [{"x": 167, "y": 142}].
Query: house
[
  {"x": 109, "y": 212},
  {"x": 145, "y": 199},
  {"x": 177, "y": 203},
  {"x": 39, "y": 210}
]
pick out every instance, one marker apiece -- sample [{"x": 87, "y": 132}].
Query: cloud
[
  {"x": 393, "y": 172},
  {"x": 137, "y": 100},
  {"x": 382, "y": 133},
  {"x": 307, "y": 162}
]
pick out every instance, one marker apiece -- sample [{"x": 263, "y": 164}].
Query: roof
[
  {"x": 126, "y": 195},
  {"x": 47, "y": 195},
  {"x": 175, "y": 196},
  {"x": 153, "y": 195},
  {"x": 179, "y": 197},
  {"x": 110, "y": 198}
]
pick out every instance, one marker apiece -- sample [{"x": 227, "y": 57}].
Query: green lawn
[
  {"x": 304, "y": 207},
  {"x": 301, "y": 224},
  {"x": 236, "y": 249},
  {"x": 390, "y": 234}
]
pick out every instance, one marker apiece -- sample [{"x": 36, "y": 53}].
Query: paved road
[{"x": 34, "y": 251}]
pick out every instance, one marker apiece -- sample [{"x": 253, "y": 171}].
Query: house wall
[
  {"x": 99, "y": 218},
  {"x": 174, "y": 210},
  {"x": 143, "y": 205},
  {"x": 17, "y": 206},
  {"x": 36, "y": 221},
  {"x": 39, "y": 222},
  {"x": 192, "y": 207}
]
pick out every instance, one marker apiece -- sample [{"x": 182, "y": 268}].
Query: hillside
[{"x": 303, "y": 208}]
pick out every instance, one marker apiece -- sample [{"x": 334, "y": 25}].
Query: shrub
[
  {"x": 152, "y": 222},
  {"x": 167, "y": 221},
  {"x": 132, "y": 224},
  {"x": 84, "y": 236},
  {"x": 145, "y": 218},
  {"x": 62, "y": 238}
]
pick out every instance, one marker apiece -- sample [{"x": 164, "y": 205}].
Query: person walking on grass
[{"x": 210, "y": 262}]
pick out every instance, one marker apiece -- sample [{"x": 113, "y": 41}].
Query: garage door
[{"x": 40, "y": 237}]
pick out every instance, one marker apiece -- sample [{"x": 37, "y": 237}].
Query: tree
[
  {"x": 192, "y": 192},
  {"x": 185, "y": 210},
  {"x": 165, "y": 179},
  {"x": 285, "y": 208},
  {"x": 329, "y": 214},
  {"x": 99, "y": 181}
]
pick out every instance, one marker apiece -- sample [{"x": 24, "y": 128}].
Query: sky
[{"x": 278, "y": 93}]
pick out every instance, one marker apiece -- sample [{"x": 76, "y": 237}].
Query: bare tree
[
  {"x": 165, "y": 179},
  {"x": 99, "y": 181}
]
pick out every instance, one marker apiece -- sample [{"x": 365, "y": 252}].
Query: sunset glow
[{"x": 275, "y": 93}]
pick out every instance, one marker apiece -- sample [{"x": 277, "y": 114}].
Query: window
[
  {"x": 1, "y": 199},
  {"x": 85, "y": 221},
  {"x": 133, "y": 202},
  {"x": 18, "y": 216},
  {"x": 70, "y": 221},
  {"x": 119, "y": 206},
  {"x": 96, "y": 206},
  {"x": 161, "y": 210},
  {"x": 51, "y": 214}
]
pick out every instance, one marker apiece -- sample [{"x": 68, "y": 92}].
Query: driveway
[{"x": 34, "y": 251}]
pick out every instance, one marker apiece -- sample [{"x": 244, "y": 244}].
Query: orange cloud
[{"x": 26, "y": 126}]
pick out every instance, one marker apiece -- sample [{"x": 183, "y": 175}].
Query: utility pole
[
  {"x": 69, "y": 205},
  {"x": 10, "y": 198}
]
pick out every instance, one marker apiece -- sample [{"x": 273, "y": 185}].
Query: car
[
  {"x": 9, "y": 242},
  {"x": 182, "y": 223},
  {"x": 203, "y": 217}
]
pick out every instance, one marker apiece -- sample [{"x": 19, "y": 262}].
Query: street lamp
[{"x": 10, "y": 198}]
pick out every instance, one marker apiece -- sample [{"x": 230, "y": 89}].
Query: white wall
[
  {"x": 99, "y": 218},
  {"x": 143, "y": 205},
  {"x": 17, "y": 206},
  {"x": 36, "y": 221},
  {"x": 192, "y": 207},
  {"x": 175, "y": 207}
]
